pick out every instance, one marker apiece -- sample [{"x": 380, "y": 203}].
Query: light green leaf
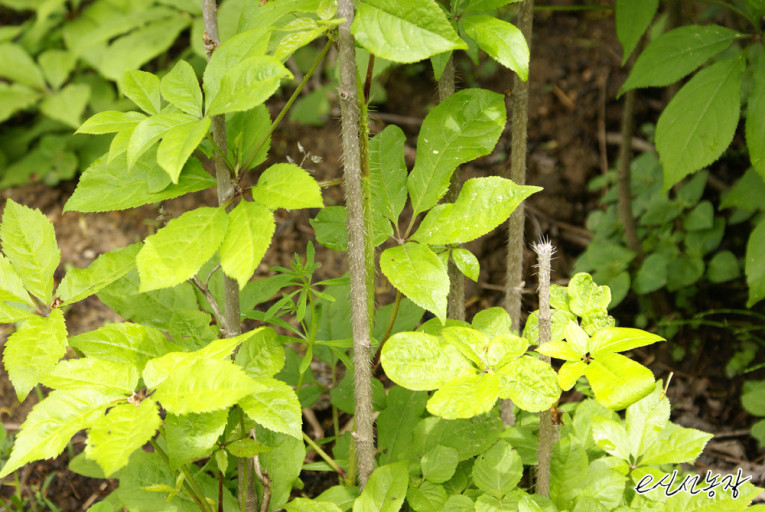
[
  {"x": 469, "y": 342},
  {"x": 646, "y": 419},
  {"x": 204, "y": 386},
  {"x": 261, "y": 355},
  {"x": 439, "y": 463},
  {"x": 110, "y": 121},
  {"x": 192, "y": 436},
  {"x": 504, "y": 348},
  {"x": 11, "y": 286},
  {"x": 90, "y": 372},
  {"x": 417, "y": 272},
  {"x": 248, "y": 84},
  {"x": 597, "y": 319},
  {"x": 306, "y": 505},
  {"x": 584, "y": 294},
  {"x": 482, "y": 205},
  {"x": 287, "y": 186},
  {"x": 178, "y": 144},
  {"x": 244, "y": 131},
  {"x": 33, "y": 350},
  {"x": 52, "y": 423},
  {"x": 530, "y": 383},
  {"x": 10, "y": 314},
  {"x": 619, "y": 339},
  {"x": 700, "y": 121},
  {"x": 29, "y": 242},
  {"x": 181, "y": 88},
  {"x": 559, "y": 350},
  {"x": 15, "y": 97},
  {"x": 107, "y": 268},
  {"x": 610, "y": 436},
  {"x": 503, "y": 41},
  {"x": 421, "y": 362},
  {"x": 755, "y": 265},
  {"x": 56, "y": 65},
  {"x": 618, "y": 381},
  {"x": 151, "y": 129},
  {"x": 461, "y": 128},
  {"x": 124, "y": 429},
  {"x": 177, "y": 251},
  {"x": 143, "y": 89},
  {"x": 466, "y": 262},
  {"x": 683, "y": 446},
  {"x": 247, "y": 238},
  {"x": 275, "y": 406},
  {"x": 568, "y": 470},
  {"x": 67, "y": 104},
  {"x": 498, "y": 470},
  {"x": 632, "y": 20},
  {"x": 330, "y": 228},
  {"x": 677, "y": 53},
  {"x": 134, "y": 344},
  {"x": 426, "y": 497},
  {"x": 246, "y": 448},
  {"x": 18, "y": 66},
  {"x": 578, "y": 339},
  {"x": 395, "y": 31},
  {"x": 386, "y": 489},
  {"x": 465, "y": 396},
  {"x": 298, "y": 33},
  {"x": 387, "y": 172},
  {"x": 569, "y": 373},
  {"x": 755, "y": 132},
  {"x": 492, "y": 321},
  {"x": 111, "y": 185}
]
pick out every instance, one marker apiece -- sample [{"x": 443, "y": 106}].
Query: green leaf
[
  {"x": 498, "y": 470},
  {"x": 330, "y": 228},
  {"x": 482, "y": 205},
  {"x": 393, "y": 30},
  {"x": 396, "y": 422},
  {"x": 465, "y": 396},
  {"x": 753, "y": 397},
  {"x": 700, "y": 217},
  {"x": 17, "y": 66},
  {"x": 619, "y": 339},
  {"x": 107, "y": 268},
  {"x": 584, "y": 294},
  {"x": 530, "y": 383},
  {"x": 283, "y": 463},
  {"x": 417, "y": 272},
  {"x": 632, "y": 20},
  {"x": 92, "y": 372},
  {"x": 386, "y": 489},
  {"x": 11, "y": 286},
  {"x": 421, "y": 362},
  {"x": 52, "y": 423},
  {"x": 247, "y": 84},
  {"x": 247, "y": 238},
  {"x": 143, "y": 89},
  {"x": 610, "y": 436},
  {"x": 306, "y": 505},
  {"x": 723, "y": 267},
  {"x": 192, "y": 436},
  {"x": 33, "y": 350},
  {"x": 466, "y": 262},
  {"x": 755, "y": 265},
  {"x": 246, "y": 448},
  {"x": 684, "y": 271},
  {"x": 700, "y": 121},
  {"x": 439, "y": 463},
  {"x": 469, "y": 436},
  {"x": 503, "y": 41},
  {"x": 287, "y": 186},
  {"x": 181, "y": 88},
  {"x": 461, "y": 128},
  {"x": 67, "y": 104},
  {"x": 568, "y": 469},
  {"x": 618, "y": 381},
  {"x": 106, "y": 186},
  {"x": 245, "y": 131},
  {"x": 652, "y": 274},
  {"x": 683, "y": 446},
  {"x": 677, "y": 53},
  {"x": 426, "y": 497},
  {"x": 29, "y": 242},
  {"x": 110, "y": 121},
  {"x": 150, "y": 130},
  {"x": 177, "y": 251},
  {"x": 124, "y": 429},
  {"x": 134, "y": 344},
  {"x": 387, "y": 172},
  {"x": 274, "y": 405},
  {"x": 755, "y": 132},
  {"x": 15, "y": 97},
  {"x": 178, "y": 144},
  {"x": 56, "y": 65},
  {"x": 204, "y": 386}
]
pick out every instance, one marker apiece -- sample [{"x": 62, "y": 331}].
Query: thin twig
[{"x": 210, "y": 299}]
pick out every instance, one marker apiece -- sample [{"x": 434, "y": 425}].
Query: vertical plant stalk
[
  {"x": 624, "y": 176},
  {"x": 519, "y": 102},
  {"x": 231, "y": 316},
  {"x": 547, "y": 430},
  {"x": 455, "y": 307},
  {"x": 349, "y": 108}
]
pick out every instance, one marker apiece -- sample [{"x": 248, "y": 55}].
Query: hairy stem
[
  {"x": 519, "y": 128},
  {"x": 349, "y": 105},
  {"x": 547, "y": 431}
]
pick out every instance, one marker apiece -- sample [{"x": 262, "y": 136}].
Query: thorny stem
[
  {"x": 329, "y": 460},
  {"x": 287, "y": 105},
  {"x": 191, "y": 485},
  {"x": 519, "y": 126},
  {"x": 547, "y": 431},
  {"x": 349, "y": 104}
]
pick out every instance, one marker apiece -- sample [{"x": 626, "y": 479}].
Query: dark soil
[{"x": 573, "y": 118}]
